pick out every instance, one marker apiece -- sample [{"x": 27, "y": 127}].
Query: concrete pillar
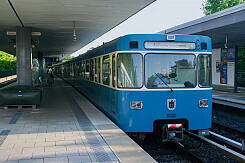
[{"x": 23, "y": 53}]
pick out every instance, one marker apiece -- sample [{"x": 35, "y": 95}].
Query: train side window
[
  {"x": 96, "y": 70},
  {"x": 204, "y": 70},
  {"x": 79, "y": 72},
  {"x": 129, "y": 70},
  {"x": 91, "y": 69},
  {"x": 87, "y": 70},
  {"x": 113, "y": 70},
  {"x": 71, "y": 69},
  {"x": 106, "y": 70},
  {"x": 82, "y": 69},
  {"x": 76, "y": 69},
  {"x": 99, "y": 65}
]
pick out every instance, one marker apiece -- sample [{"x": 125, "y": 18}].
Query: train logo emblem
[{"x": 171, "y": 104}]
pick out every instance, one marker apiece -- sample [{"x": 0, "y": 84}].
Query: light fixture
[
  {"x": 136, "y": 105},
  {"x": 74, "y": 31},
  {"x": 226, "y": 41},
  {"x": 203, "y": 103}
]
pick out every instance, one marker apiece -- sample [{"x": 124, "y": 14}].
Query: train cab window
[
  {"x": 170, "y": 70},
  {"x": 96, "y": 70},
  {"x": 87, "y": 70},
  {"x": 91, "y": 70},
  {"x": 99, "y": 62},
  {"x": 106, "y": 70},
  {"x": 204, "y": 70},
  {"x": 129, "y": 70},
  {"x": 113, "y": 70}
]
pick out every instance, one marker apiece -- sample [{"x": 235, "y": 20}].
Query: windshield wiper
[{"x": 171, "y": 90}]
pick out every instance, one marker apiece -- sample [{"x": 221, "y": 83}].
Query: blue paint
[{"x": 116, "y": 104}]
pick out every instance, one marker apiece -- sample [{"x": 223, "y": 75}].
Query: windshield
[
  {"x": 170, "y": 70},
  {"x": 204, "y": 70}
]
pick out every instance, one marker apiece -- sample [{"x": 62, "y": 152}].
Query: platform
[
  {"x": 230, "y": 98},
  {"x": 65, "y": 128}
]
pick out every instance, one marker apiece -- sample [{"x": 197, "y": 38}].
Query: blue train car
[{"x": 148, "y": 82}]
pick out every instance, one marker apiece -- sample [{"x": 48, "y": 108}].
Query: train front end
[{"x": 166, "y": 88}]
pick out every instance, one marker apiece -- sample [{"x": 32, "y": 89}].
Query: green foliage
[
  {"x": 7, "y": 61},
  {"x": 68, "y": 58},
  {"x": 212, "y": 6},
  {"x": 241, "y": 59}
]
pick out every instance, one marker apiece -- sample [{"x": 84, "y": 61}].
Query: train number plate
[{"x": 171, "y": 104}]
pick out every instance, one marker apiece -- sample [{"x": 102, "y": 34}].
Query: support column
[{"x": 23, "y": 53}]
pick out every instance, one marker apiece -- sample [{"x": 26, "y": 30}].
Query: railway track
[
  {"x": 238, "y": 156},
  {"x": 168, "y": 151},
  {"x": 229, "y": 136},
  {"x": 189, "y": 154},
  {"x": 195, "y": 148}
]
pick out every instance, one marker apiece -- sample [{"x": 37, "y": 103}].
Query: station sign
[{"x": 170, "y": 45}]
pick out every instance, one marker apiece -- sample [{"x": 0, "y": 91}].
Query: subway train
[{"x": 148, "y": 83}]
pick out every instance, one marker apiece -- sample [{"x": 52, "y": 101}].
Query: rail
[
  {"x": 232, "y": 153},
  {"x": 226, "y": 140}
]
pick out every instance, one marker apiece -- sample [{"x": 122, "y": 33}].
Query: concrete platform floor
[
  {"x": 65, "y": 128},
  {"x": 229, "y": 98}
]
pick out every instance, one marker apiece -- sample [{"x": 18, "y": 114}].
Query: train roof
[{"x": 124, "y": 43}]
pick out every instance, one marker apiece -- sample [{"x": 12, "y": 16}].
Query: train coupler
[{"x": 172, "y": 132}]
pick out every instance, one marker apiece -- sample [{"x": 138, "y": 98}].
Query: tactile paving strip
[
  {"x": 3, "y": 136},
  {"x": 95, "y": 142},
  {"x": 16, "y": 117}
]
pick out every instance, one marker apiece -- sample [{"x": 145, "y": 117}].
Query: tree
[
  {"x": 212, "y": 6},
  {"x": 68, "y": 58},
  {"x": 7, "y": 62}
]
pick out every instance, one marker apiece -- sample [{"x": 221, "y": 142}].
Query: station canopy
[
  {"x": 225, "y": 25},
  {"x": 55, "y": 19}
]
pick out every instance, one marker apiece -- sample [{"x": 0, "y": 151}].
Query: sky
[{"x": 160, "y": 15}]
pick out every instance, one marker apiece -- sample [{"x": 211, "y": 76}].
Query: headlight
[
  {"x": 136, "y": 105},
  {"x": 203, "y": 103}
]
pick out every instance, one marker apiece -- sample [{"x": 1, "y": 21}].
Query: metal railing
[{"x": 7, "y": 73}]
